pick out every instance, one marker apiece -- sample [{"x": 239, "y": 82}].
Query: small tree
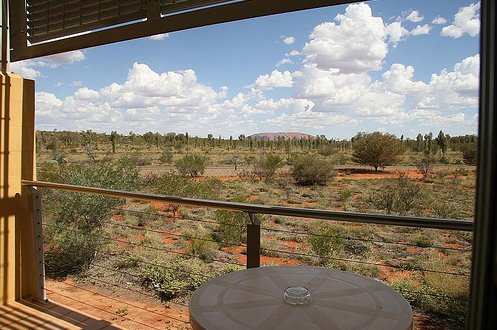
[
  {"x": 190, "y": 165},
  {"x": 267, "y": 165},
  {"x": 167, "y": 156},
  {"x": 425, "y": 166},
  {"x": 470, "y": 154},
  {"x": 312, "y": 169},
  {"x": 376, "y": 149}
]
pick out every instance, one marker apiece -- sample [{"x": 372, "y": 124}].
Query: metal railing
[
  {"x": 379, "y": 219},
  {"x": 255, "y": 231}
]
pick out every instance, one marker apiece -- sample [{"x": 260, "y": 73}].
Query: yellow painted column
[{"x": 17, "y": 162}]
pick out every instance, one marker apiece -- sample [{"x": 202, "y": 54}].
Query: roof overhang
[{"x": 46, "y": 27}]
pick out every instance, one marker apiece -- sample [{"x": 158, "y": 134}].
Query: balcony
[
  {"x": 23, "y": 284},
  {"x": 147, "y": 245}
]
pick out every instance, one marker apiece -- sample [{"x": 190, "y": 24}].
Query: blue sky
[{"x": 403, "y": 67}]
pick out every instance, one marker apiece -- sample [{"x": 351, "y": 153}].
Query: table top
[{"x": 253, "y": 299}]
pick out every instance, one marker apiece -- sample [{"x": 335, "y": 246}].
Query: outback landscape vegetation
[{"x": 160, "y": 253}]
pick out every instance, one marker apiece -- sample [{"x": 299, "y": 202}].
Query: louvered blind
[{"x": 50, "y": 19}]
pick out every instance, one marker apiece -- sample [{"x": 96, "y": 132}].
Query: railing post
[
  {"x": 253, "y": 242},
  {"x": 38, "y": 244}
]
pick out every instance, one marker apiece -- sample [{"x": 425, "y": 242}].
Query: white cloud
[
  {"x": 64, "y": 58},
  {"x": 452, "y": 90},
  {"x": 24, "y": 69},
  {"x": 31, "y": 68},
  {"x": 284, "y": 61},
  {"x": 399, "y": 79},
  {"x": 414, "y": 16},
  {"x": 355, "y": 44},
  {"x": 330, "y": 90},
  {"x": 288, "y": 40},
  {"x": 160, "y": 36},
  {"x": 396, "y": 32},
  {"x": 466, "y": 21},
  {"x": 275, "y": 79},
  {"x": 76, "y": 83},
  {"x": 146, "y": 98},
  {"x": 439, "y": 20},
  {"x": 421, "y": 29},
  {"x": 293, "y": 53}
]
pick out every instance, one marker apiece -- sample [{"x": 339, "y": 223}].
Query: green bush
[
  {"x": 74, "y": 220},
  {"x": 175, "y": 185},
  {"x": 167, "y": 156},
  {"x": 69, "y": 250},
  {"x": 198, "y": 242},
  {"x": 266, "y": 166},
  {"x": 327, "y": 241},
  {"x": 191, "y": 165},
  {"x": 312, "y": 169},
  {"x": 232, "y": 225},
  {"x": 177, "y": 278},
  {"x": 470, "y": 154}
]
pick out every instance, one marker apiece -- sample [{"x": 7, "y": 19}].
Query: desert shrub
[
  {"x": 470, "y": 153},
  {"x": 177, "y": 278},
  {"x": 326, "y": 241},
  {"x": 74, "y": 220},
  {"x": 229, "y": 268},
  {"x": 400, "y": 195},
  {"x": 266, "y": 166},
  {"x": 176, "y": 185},
  {"x": 198, "y": 242},
  {"x": 363, "y": 269},
  {"x": 190, "y": 165},
  {"x": 356, "y": 247},
  {"x": 69, "y": 250},
  {"x": 327, "y": 150},
  {"x": 167, "y": 156},
  {"x": 232, "y": 225},
  {"x": 422, "y": 240},
  {"x": 425, "y": 166},
  {"x": 312, "y": 169}
]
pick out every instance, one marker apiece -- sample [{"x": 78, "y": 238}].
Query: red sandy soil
[{"x": 364, "y": 175}]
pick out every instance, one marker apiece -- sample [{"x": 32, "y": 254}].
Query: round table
[{"x": 253, "y": 299}]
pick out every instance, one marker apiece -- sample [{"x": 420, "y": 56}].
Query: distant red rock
[{"x": 281, "y": 135}]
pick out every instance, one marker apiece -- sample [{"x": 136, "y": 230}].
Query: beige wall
[{"x": 16, "y": 163}]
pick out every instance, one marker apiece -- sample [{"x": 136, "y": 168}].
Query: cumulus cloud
[
  {"x": 275, "y": 79},
  {"x": 354, "y": 44},
  {"x": 466, "y": 21},
  {"x": 420, "y": 29},
  {"x": 456, "y": 88},
  {"x": 31, "y": 68},
  {"x": 396, "y": 32},
  {"x": 288, "y": 40},
  {"x": 414, "y": 16},
  {"x": 439, "y": 20},
  {"x": 160, "y": 36},
  {"x": 145, "y": 95},
  {"x": 284, "y": 61}
]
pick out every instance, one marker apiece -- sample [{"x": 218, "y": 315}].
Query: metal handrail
[{"x": 298, "y": 212}]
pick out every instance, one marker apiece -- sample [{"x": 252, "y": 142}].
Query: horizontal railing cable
[
  {"x": 363, "y": 239},
  {"x": 366, "y": 262},
  {"x": 268, "y": 209},
  {"x": 184, "y": 236},
  {"x": 121, "y": 271},
  {"x": 166, "y": 250},
  {"x": 178, "y": 217}
]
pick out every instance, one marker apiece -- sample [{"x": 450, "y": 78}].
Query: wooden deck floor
[{"x": 49, "y": 316}]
